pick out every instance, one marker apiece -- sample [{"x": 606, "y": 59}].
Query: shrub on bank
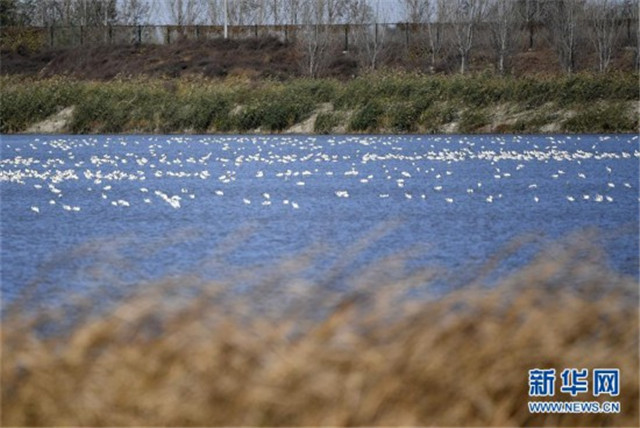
[
  {"x": 437, "y": 115},
  {"x": 366, "y": 118},
  {"x": 403, "y": 117},
  {"x": 473, "y": 119},
  {"x": 32, "y": 101},
  {"x": 326, "y": 122},
  {"x": 602, "y": 118},
  {"x": 380, "y": 102}
]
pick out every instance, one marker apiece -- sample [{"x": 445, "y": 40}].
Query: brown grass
[{"x": 288, "y": 352}]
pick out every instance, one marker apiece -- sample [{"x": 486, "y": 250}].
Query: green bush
[
  {"x": 26, "y": 102},
  {"x": 367, "y": 118},
  {"x": 472, "y": 119},
  {"x": 319, "y": 90},
  {"x": 397, "y": 102},
  {"x": 403, "y": 117},
  {"x": 326, "y": 122},
  {"x": 437, "y": 115},
  {"x": 603, "y": 118},
  {"x": 101, "y": 110}
]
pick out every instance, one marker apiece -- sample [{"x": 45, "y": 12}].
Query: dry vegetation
[
  {"x": 288, "y": 352},
  {"x": 395, "y": 103}
]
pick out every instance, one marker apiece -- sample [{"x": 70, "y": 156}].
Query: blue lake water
[{"x": 80, "y": 211}]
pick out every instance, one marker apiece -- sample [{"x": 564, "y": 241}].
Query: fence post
[
  {"x": 81, "y": 35},
  {"x": 376, "y": 31},
  {"x": 346, "y": 37},
  {"x": 168, "y": 35},
  {"x": 286, "y": 33},
  {"x": 51, "y": 36},
  {"x": 139, "y": 34},
  {"x": 255, "y": 29},
  {"x": 197, "y": 32}
]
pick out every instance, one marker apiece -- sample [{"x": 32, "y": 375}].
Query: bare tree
[
  {"x": 436, "y": 18},
  {"x": 215, "y": 12},
  {"x": 502, "y": 24},
  {"x": 336, "y": 10},
  {"x": 465, "y": 14},
  {"x": 531, "y": 12},
  {"x": 631, "y": 11},
  {"x": 602, "y": 17},
  {"x": 292, "y": 11},
  {"x": 185, "y": 12},
  {"x": 563, "y": 22},
  {"x": 416, "y": 11},
  {"x": 314, "y": 37},
  {"x": 134, "y": 12},
  {"x": 369, "y": 36},
  {"x": 274, "y": 9}
]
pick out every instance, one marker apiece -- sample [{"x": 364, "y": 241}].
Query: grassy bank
[
  {"x": 292, "y": 353},
  {"x": 380, "y": 103}
]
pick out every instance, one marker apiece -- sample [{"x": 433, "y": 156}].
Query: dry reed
[{"x": 289, "y": 352}]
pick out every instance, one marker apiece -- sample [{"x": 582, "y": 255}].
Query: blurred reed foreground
[{"x": 289, "y": 352}]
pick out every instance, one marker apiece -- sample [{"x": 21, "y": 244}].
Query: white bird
[
  {"x": 449, "y": 200},
  {"x": 295, "y": 205},
  {"x": 246, "y": 201},
  {"x": 535, "y": 198},
  {"x": 35, "y": 210}
]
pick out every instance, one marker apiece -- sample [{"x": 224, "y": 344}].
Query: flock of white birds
[{"x": 163, "y": 167}]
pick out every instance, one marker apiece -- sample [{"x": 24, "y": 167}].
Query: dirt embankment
[
  {"x": 254, "y": 58},
  {"x": 271, "y": 58}
]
